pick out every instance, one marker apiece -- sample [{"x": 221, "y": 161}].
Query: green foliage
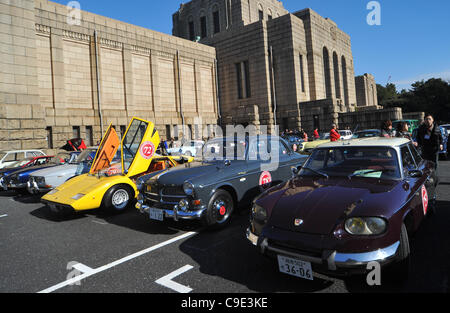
[{"x": 432, "y": 96}]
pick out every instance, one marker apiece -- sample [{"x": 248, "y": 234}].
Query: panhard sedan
[
  {"x": 351, "y": 204},
  {"x": 110, "y": 185},
  {"x": 232, "y": 171}
]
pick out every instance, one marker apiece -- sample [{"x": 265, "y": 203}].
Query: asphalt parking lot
[{"x": 125, "y": 253}]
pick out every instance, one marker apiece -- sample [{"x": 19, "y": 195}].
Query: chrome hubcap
[{"x": 120, "y": 199}]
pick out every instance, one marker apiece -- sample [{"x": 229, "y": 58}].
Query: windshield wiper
[{"x": 315, "y": 171}]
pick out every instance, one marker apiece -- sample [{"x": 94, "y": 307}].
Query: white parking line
[
  {"x": 72, "y": 281},
  {"x": 3, "y": 215},
  {"x": 167, "y": 281}
]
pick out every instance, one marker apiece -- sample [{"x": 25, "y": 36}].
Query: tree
[{"x": 386, "y": 93}]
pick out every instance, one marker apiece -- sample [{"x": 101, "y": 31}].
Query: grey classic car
[{"x": 232, "y": 172}]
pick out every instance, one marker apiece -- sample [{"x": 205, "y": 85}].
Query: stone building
[
  {"x": 274, "y": 67},
  {"x": 61, "y": 79},
  {"x": 366, "y": 91}
]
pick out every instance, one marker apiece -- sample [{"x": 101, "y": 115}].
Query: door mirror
[{"x": 415, "y": 174}]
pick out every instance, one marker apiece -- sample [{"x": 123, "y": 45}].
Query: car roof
[
  {"x": 368, "y": 130},
  {"x": 374, "y": 141}
]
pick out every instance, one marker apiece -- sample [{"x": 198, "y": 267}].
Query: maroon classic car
[{"x": 352, "y": 203}]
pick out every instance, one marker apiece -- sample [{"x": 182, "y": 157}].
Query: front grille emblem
[{"x": 298, "y": 222}]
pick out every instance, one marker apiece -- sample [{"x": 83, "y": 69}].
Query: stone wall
[
  {"x": 49, "y": 76},
  {"x": 369, "y": 119},
  {"x": 22, "y": 123}
]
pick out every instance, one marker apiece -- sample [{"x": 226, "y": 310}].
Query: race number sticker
[
  {"x": 147, "y": 150},
  {"x": 425, "y": 200},
  {"x": 113, "y": 171},
  {"x": 265, "y": 179}
]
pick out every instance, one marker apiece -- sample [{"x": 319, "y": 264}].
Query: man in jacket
[
  {"x": 334, "y": 135},
  {"x": 429, "y": 139}
]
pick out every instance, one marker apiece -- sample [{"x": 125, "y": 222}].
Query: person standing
[
  {"x": 403, "y": 131},
  {"x": 316, "y": 134},
  {"x": 334, "y": 134},
  {"x": 386, "y": 129},
  {"x": 429, "y": 139}
]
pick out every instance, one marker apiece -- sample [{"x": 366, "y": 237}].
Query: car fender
[{"x": 226, "y": 186}]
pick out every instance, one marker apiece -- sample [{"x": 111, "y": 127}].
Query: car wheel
[
  {"x": 220, "y": 209},
  {"x": 399, "y": 271},
  {"x": 118, "y": 199}
]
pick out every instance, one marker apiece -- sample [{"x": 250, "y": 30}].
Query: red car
[{"x": 351, "y": 204}]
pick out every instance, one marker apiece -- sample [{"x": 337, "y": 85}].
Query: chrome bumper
[
  {"x": 176, "y": 214},
  {"x": 333, "y": 260},
  {"x": 34, "y": 188}
]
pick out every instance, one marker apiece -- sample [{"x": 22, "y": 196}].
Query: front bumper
[
  {"x": 176, "y": 214},
  {"x": 58, "y": 208},
  {"x": 331, "y": 262},
  {"x": 34, "y": 188}
]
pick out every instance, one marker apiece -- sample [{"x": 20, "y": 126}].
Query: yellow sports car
[
  {"x": 112, "y": 185},
  {"x": 308, "y": 147}
]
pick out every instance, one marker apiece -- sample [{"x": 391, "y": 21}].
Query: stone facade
[
  {"x": 366, "y": 91},
  {"x": 49, "y": 77},
  {"x": 293, "y": 61}
]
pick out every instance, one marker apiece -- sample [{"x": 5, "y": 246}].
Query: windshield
[
  {"x": 2, "y": 155},
  {"x": 369, "y": 162},
  {"x": 85, "y": 156},
  {"x": 224, "y": 149},
  {"x": 132, "y": 141},
  {"x": 366, "y": 134},
  {"x": 20, "y": 163}
]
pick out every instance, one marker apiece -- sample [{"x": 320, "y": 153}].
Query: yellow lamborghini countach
[{"x": 110, "y": 183}]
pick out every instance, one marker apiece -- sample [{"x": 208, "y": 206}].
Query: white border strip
[
  {"x": 72, "y": 281},
  {"x": 3, "y": 215}
]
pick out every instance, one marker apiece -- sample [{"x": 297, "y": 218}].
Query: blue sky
[{"x": 412, "y": 42}]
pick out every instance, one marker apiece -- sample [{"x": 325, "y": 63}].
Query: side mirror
[{"x": 415, "y": 174}]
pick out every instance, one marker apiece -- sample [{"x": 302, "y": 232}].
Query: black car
[{"x": 233, "y": 171}]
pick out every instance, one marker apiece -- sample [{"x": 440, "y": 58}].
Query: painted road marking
[
  {"x": 167, "y": 281},
  {"x": 82, "y": 268},
  {"x": 76, "y": 279},
  {"x": 3, "y": 215}
]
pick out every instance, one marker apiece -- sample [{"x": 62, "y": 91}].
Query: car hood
[
  {"x": 57, "y": 170},
  {"x": 322, "y": 204},
  {"x": 190, "y": 171},
  {"x": 29, "y": 170}
]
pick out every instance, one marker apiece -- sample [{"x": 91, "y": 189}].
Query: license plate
[
  {"x": 295, "y": 267},
  {"x": 156, "y": 214}
]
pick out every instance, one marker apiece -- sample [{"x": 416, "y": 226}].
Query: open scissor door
[
  {"x": 139, "y": 146},
  {"x": 106, "y": 151}
]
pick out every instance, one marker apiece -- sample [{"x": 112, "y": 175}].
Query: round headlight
[
  {"x": 365, "y": 226},
  {"x": 259, "y": 213},
  {"x": 188, "y": 188},
  {"x": 355, "y": 226}
]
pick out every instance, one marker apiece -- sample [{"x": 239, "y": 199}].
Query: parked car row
[{"x": 347, "y": 204}]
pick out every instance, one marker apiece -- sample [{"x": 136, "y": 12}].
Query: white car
[
  {"x": 190, "y": 148},
  {"x": 9, "y": 157},
  {"x": 346, "y": 134}
]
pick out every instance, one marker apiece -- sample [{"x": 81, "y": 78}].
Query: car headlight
[
  {"x": 259, "y": 213},
  {"x": 365, "y": 226},
  {"x": 78, "y": 196},
  {"x": 188, "y": 188}
]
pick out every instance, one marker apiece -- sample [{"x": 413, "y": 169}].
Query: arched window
[
  {"x": 269, "y": 14},
  {"x": 327, "y": 73},
  {"x": 337, "y": 79},
  {"x": 216, "y": 18},
  {"x": 260, "y": 12},
  {"x": 345, "y": 80},
  {"x": 203, "y": 25},
  {"x": 191, "y": 28}
]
